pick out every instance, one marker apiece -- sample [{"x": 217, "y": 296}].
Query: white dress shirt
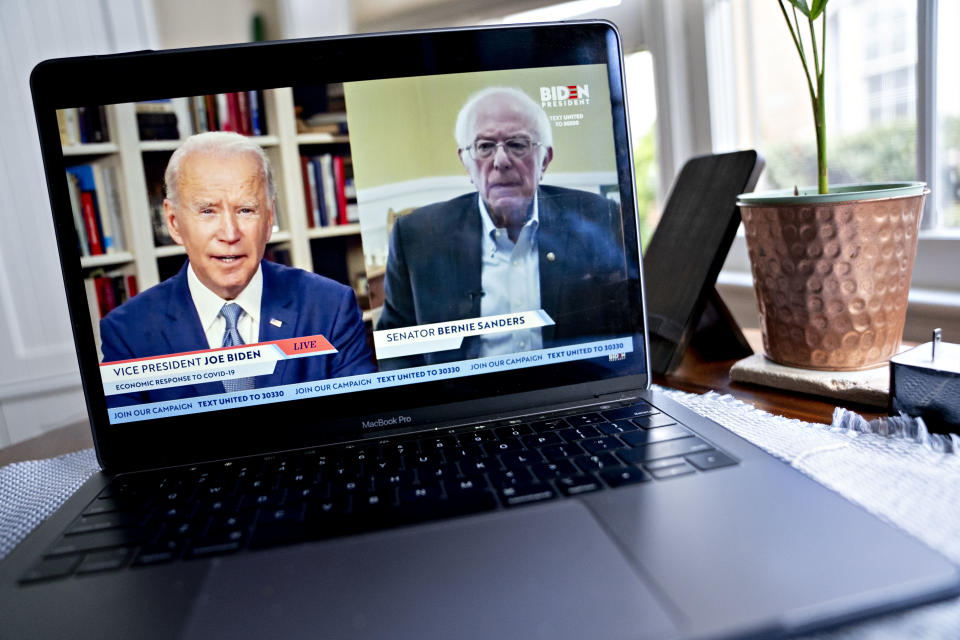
[
  {"x": 510, "y": 279},
  {"x": 208, "y": 306}
]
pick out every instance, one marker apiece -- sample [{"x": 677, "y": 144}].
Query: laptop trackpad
[{"x": 538, "y": 572}]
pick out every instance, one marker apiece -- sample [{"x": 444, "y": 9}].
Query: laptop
[{"x": 420, "y": 454}]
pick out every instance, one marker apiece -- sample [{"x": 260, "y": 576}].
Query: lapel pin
[
  {"x": 551, "y": 256},
  {"x": 276, "y": 323}
]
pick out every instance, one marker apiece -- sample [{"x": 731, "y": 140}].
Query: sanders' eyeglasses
[{"x": 481, "y": 149}]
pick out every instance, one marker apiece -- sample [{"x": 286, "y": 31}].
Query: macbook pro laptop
[{"x": 452, "y": 434}]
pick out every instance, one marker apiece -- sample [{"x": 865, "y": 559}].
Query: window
[
  {"x": 886, "y": 27},
  {"x": 638, "y": 69},
  {"x": 875, "y": 127},
  {"x": 870, "y": 93},
  {"x": 947, "y": 196},
  {"x": 892, "y": 95}
]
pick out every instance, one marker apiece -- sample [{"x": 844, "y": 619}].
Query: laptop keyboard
[{"x": 218, "y": 508}]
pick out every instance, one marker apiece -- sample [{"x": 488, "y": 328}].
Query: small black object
[
  {"x": 925, "y": 382},
  {"x": 685, "y": 256}
]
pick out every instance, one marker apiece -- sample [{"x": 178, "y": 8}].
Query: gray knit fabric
[{"x": 30, "y": 491}]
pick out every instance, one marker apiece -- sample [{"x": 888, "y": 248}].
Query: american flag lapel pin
[{"x": 276, "y": 323}]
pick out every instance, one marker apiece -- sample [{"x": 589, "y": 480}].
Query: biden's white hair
[{"x": 217, "y": 143}]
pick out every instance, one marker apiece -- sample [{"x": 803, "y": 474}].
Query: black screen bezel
[{"x": 136, "y": 76}]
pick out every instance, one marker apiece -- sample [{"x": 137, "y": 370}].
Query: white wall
[
  {"x": 193, "y": 23},
  {"x": 39, "y": 377}
]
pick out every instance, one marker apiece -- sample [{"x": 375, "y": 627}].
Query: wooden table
[
  {"x": 699, "y": 376},
  {"x": 694, "y": 375}
]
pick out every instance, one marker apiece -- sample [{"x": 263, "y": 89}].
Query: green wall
[{"x": 402, "y": 128}]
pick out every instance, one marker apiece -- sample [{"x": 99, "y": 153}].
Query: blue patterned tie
[{"x": 231, "y": 338}]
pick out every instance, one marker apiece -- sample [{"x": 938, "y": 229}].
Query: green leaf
[
  {"x": 801, "y": 6},
  {"x": 816, "y": 8}
]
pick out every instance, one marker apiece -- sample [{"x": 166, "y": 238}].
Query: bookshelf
[
  {"x": 333, "y": 251},
  {"x": 107, "y": 260},
  {"x": 90, "y": 149},
  {"x": 331, "y": 232}
]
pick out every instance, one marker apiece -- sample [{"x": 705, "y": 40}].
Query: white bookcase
[{"x": 282, "y": 145}]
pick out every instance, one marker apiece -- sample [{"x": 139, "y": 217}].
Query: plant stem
[
  {"x": 816, "y": 93},
  {"x": 819, "y": 111},
  {"x": 820, "y": 125},
  {"x": 822, "y": 185}
]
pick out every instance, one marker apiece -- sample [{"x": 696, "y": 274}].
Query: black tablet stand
[{"x": 685, "y": 256}]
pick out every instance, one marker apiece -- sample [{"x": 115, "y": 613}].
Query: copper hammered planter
[{"x": 832, "y": 275}]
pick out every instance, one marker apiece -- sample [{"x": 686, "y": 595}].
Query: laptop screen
[{"x": 353, "y": 242}]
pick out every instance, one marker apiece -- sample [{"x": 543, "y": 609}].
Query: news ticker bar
[
  {"x": 197, "y": 367},
  {"x": 247, "y": 361},
  {"x": 614, "y": 349}
]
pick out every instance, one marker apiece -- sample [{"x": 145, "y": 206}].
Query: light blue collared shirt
[
  {"x": 208, "y": 306},
  {"x": 510, "y": 279}
]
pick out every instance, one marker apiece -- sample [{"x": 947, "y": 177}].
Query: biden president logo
[{"x": 564, "y": 95}]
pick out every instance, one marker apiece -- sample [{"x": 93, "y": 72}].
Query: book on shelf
[
  {"x": 109, "y": 290},
  {"x": 213, "y": 122},
  {"x": 328, "y": 130},
  {"x": 329, "y": 189},
  {"x": 239, "y": 111},
  {"x": 157, "y": 120},
  {"x": 198, "y": 113},
  {"x": 320, "y": 109},
  {"x": 89, "y": 212},
  {"x": 66, "y": 122},
  {"x": 104, "y": 293},
  {"x": 223, "y": 111},
  {"x": 232, "y": 120},
  {"x": 132, "y": 287},
  {"x": 167, "y": 119},
  {"x": 77, "y": 207},
  {"x": 257, "y": 127},
  {"x": 350, "y": 192},
  {"x": 95, "y": 199},
  {"x": 323, "y": 202},
  {"x": 309, "y": 191},
  {"x": 92, "y": 122},
  {"x": 82, "y": 125},
  {"x": 243, "y": 124},
  {"x": 329, "y": 194},
  {"x": 112, "y": 181},
  {"x": 339, "y": 181},
  {"x": 73, "y": 125},
  {"x": 111, "y": 243}
]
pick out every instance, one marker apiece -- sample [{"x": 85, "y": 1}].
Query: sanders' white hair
[
  {"x": 465, "y": 129},
  {"x": 218, "y": 143}
]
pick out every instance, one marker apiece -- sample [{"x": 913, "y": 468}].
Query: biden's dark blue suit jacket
[{"x": 163, "y": 320}]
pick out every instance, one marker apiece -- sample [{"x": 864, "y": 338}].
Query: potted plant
[{"x": 832, "y": 264}]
